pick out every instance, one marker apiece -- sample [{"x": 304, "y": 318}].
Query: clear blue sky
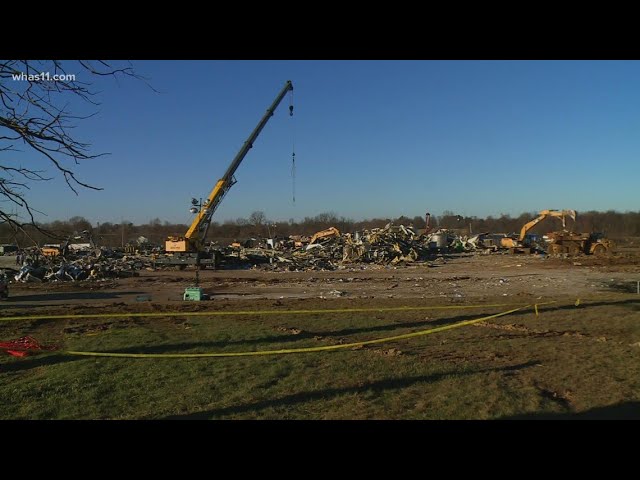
[{"x": 372, "y": 139}]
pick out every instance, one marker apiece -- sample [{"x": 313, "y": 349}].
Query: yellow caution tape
[
  {"x": 295, "y": 350},
  {"x": 253, "y": 312}
]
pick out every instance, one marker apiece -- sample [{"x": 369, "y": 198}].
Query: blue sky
[{"x": 372, "y": 139}]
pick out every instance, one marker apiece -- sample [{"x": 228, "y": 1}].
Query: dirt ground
[{"x": 449, "y": 279}]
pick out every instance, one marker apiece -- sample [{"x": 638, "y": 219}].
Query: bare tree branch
[{"x": 36, "y": 99}]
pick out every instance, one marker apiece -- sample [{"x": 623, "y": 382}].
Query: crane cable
[{"x": 293, "y": 149}]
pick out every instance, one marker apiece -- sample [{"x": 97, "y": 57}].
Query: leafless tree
[
  {"x": 36, "y": 116},
  {"x": 258, "y": 218}
]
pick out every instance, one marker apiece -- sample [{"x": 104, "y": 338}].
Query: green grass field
[{"x": 567, "y": 363}]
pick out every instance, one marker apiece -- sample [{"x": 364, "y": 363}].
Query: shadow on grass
[
  {"x": 631, "y": 301},
  {"x": 304, "y": 335},
  {"x": 42, "y": 297},
  {"x": 248, "y": 265},
  {"x": 619, "y": 411},
  {"x": 329, "y": 393},
  {"x": 28, "y": 363},
  {"x": 390, "y": 327},
  {"x": 310, "y": 334},
  {"x": 629, "y": 286}
]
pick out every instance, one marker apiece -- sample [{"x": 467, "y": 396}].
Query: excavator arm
[
  {"x": 193, "y": 240},
  {"x": 329, "y": 232},
  {"x": 544, "y": 214},
  {"x": 510, "y": 242}
]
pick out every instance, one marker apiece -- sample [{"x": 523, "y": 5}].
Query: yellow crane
[{"x": 189, "y": 249}]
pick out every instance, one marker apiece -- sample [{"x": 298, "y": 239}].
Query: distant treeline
[{"x": 614, "y": 224}]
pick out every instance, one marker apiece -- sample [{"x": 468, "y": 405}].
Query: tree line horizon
[{"x": 115, "y": 234}]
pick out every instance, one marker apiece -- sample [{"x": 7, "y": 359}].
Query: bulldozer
[
  {"x": 562, "y": 241},
  {"x": 517, "y": 244},
  {"x": 574, "y": 243}
]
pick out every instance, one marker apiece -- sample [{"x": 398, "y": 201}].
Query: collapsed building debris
[
  {"x": 329, "y": 250},
  {"x": 82, "y": 265},
  {"x": 326, "y": 250}
]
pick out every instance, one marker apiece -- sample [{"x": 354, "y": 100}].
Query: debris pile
[
  {"x": 328, "y": 250},
  {"x": 391, "y": 244},
  {"x": 77, "y": 267}
]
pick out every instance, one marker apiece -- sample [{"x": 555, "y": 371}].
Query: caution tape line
[
  {"x": 298, "y": 350},
  {"x": 255, "y": 312}
]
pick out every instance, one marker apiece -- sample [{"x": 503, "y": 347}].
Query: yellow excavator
[
  {"x": 190, "y": 248},
  {"x": 329, "y": 232},
  {"x": 518, "y": 243},
  {"x": 572, "y": 243}
]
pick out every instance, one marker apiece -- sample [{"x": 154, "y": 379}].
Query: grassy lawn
[{"x": 568, "y": 363}]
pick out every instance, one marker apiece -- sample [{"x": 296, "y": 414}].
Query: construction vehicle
[
  {"x": 574, "y": 243},
  {"x": 190, "y": 249},
  {"x": 52, "y": 250},
  {"x": 329, "y": 232},
  {"x": 518, "y": 244}
]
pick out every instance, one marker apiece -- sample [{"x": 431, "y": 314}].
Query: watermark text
[{"x": 44, "y": 77}]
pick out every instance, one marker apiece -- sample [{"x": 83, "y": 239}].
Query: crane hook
[{"x": 291, "y": 103}]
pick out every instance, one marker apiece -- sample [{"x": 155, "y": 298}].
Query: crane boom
[{"x": 195, "y": 236}]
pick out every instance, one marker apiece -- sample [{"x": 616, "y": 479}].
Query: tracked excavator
[
  {"x": 563, "y": 241},
  {"x": 329, "y": 232},
  {"x": 190, "y": 249},
  {"x": 516, "y": 244}
]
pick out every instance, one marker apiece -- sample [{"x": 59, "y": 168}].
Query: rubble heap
[
  {"x": 390, "y": 245},
  {"x": 327, "y": 250}
]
